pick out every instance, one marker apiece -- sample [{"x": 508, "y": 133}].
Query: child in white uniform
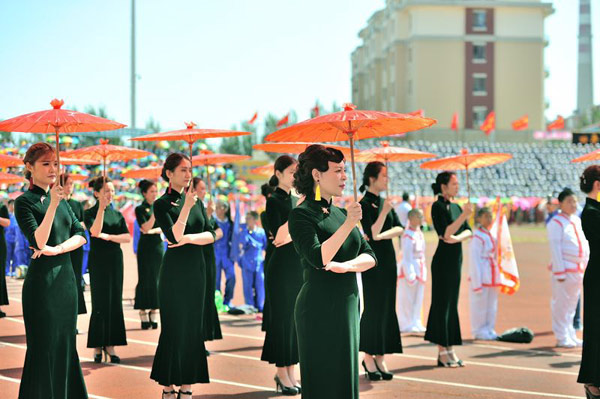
[
  {"x": 570, "y": 253},
  {"x": 412, "y": 275},
  {"x": 485, "y": 278}
]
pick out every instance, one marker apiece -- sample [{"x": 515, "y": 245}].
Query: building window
[
  {"x": 479, "y": 53},
  {"x": 479, "y": 84},
  {"x": 479, "y": 20},
  {"x": 479, "y": 114}
]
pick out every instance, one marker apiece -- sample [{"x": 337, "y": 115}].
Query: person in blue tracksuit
[
  {"x": 22, "y": 250},
  {"x": 10, "y": 235},
  {"x": 223, "y": 251},
  {"x": 253, "y": 242}
]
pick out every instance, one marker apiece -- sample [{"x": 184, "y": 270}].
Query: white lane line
[
  {"x": 487, "y": 388},
  {"x": 148, "y": 370},
  {"x": 501, "y": 366},
  {"x": 536, "y": 351}
]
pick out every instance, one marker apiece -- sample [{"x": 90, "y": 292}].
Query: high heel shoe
[
  {"x": 299, "y": 388},
  {"x": 449, "y": 364},
  {"x": 167, "y": 393},
  {"x": 285, "y": 390},
  {"x": 113, "y": 358},
  {"x": 371, "y": 376},
  {"x": 183, "y": 393},
  {"x": 98, "y": 357},
  {"x": 588, "y": 393},
  {"x": 384, "y": 374},
  {"x": 153, "y": 323},
  {"x": 459, "y": 362},
  {"x": 146, "y": 325}
]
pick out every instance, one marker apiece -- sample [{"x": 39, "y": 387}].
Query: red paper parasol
[
  {"x": 294, "y": 148},
  {"x": 351, "y": 124},
  {"x": 151, "y": 172},
  {"x": 9, "y": 178},
  {"x": 57, "y": 121},
  {"x": 9, "y": 160},
  {"x": 207, "y": 158},
  {"x": 592, "y": 156},
  {"x": 265, "y": 170},
  {"x": 466, "y": 161}
]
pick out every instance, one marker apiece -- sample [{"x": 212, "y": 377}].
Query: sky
[{"x": 215, "y": 62}]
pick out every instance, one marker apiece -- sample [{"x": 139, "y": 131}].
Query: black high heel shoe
[
  {"x": 448, "y": 364},
  {"x": 167, "y": 393},
  {"x": 384, "y": 374},
  {"x": 183, "y": 393},
  {"x": 299, "y": 388},
  {"x": 459, "y": 362},
  {"x": 114, "y": 359},
  {"x": 588, "y": 392},
  {"x": 285, "y": 390},
  {"x": 371, "y": 376},
  {"x": 153, "y": 323},
  {"x": 98, "y": 357}
]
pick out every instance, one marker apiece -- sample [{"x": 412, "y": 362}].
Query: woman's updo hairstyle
[
  {"x": 266, "y": 190},
  {"x": 145, "y": 185},
  {"x": 35, "y": 152},
  {"x": 566, "y": 192},
  {"x": 590, "y": 175},
  {"x": 316, "y": 157},
  {"x": 371, "y": 170},
  {"x": 442, "y": 178},
  {"x": 172, "y": 162},
  {"x": 281, "y": 164},
  {"x": 97, "y": 183}
]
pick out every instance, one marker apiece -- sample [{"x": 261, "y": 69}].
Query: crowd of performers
[{"x": 299, "y": 269}]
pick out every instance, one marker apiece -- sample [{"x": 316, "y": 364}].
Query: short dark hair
[
  {"x": 281, "y": 164},
  {"x": 145, "y": 185},
  {"x": 405, "y": 196},
  {"x": 252, "y": 214},
  {"x": 316, "y": 157},
  {"x": 172, "y": 162},
  {"x": 372, "y": 170},
  {"x": 442, "y": 178},
  {"x": 590, "y": 175}
]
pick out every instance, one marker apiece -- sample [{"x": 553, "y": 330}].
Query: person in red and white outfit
[
  {"x": 485, "y": 278},
  {"x": 570, "y": 253},
  {"x": 412, "y": 275}
]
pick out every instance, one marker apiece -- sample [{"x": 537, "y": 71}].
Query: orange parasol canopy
[
  {"x": 107, "y": 153},
  {"x": 387, "y": 153},
  {"x": 74, "y": 161},
  {"x": 9, "y": 160},
  {"x": 294, "y": 148},
  {"x": 75, "y": 177},
  {"x": 150, "y": 172},
  {"x": 351, "y": 124},
  {"x": 466, "y": 161},
  {"x": 9, "y": 178},
  {"x": 206, "y": 158},
  {"x": 57, "y": 120},
  {"x": 592, "y": 156},
  {"x": 265, "y": 170}
]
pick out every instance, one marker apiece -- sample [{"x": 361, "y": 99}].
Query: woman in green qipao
[
  {"x": 379, "y": 328},
  {"x": 266, "y": 191},
  {"x": 180, "y": 358},
  {"x": 77, "y": 255},
  {"x": 332, "y": 250},
  {"x": 284, "y": 274},
  {"x": 452, "y": 227},
  {"x": 149, "y": 257},
  {"x": 108, "y": 231},
  {"x": 52, "y": 368},
  {"x": 212, "y": 325},
  {"x": 4, "y": 222}
]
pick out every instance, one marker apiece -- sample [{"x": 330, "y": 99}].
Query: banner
[{"x": 509, "y": 272}]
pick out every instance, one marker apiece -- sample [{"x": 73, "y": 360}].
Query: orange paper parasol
[
  {"x": 9, "y": 160},
  {"x": 466, "y": 161},
  {"x": 386, "y": 154},
  {"x": 207, "y": 158},
  {"x": 150, "y": 172},
  {"x": 57, "y": 120},
  {"x": 75, "y": 177},
  {"x": 351, "y": 124},
  {"x": 107, "y": 153},
  {"x": 265, "y": 170},
  {"x": 294, "y": 148},
  {"x": 592, "y": 156},
  {"x": 9, "y": 178}
]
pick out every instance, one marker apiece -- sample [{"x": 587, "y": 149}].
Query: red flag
[
  {"x": 521, "y": 124},
  {"x": 558, "y": 124},
  {"x": 454, "y": 123},
  {"x": 253, "y": 119},
  {"x": 283, "y": 121},
  {"x": 489, "y": 123},
  {"x": 316, "y": 111},
  {"x": 419, "y": 112}
]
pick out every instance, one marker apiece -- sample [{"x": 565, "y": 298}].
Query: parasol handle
[
  {"x": 56, "y": 128},
  {"x": 208, "y": 181},
  {"x": 191, "y": 144},
  {"x": 351, "y": 137},
  {"x": 468, "y": 187}
]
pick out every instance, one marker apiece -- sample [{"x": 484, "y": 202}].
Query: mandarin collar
[
  {"x": 371, "y": 196},
  {"x": 322, "y": 203},
  {"x": 592, "y": 202},
  {"x": 443, "y": 199},
  {"x": 282, "y": 192},
  {"x": 38, "y": 190}
]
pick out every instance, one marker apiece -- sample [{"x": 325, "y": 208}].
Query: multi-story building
[{"x": 447, "y": 56}]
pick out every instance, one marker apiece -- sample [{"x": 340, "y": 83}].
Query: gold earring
[{"x": 318, "y": 192}]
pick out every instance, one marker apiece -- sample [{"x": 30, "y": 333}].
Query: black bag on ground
[{"x": 520, "y": 335}]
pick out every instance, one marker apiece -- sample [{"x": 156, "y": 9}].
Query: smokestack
[{"x": 585, "y": 81}]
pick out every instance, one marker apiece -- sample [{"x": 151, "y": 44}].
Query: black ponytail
[
  {"x": 281, "y": 164},
  {"x": 372, "y": 170},
  {"x": 442, "y": 178}
]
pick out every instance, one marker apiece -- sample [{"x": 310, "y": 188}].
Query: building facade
[{"x": 466, "y": 56}]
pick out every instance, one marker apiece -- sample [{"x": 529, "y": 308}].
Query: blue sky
[{"x": 214, "y": 62}]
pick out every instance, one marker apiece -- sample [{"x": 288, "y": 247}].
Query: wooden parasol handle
[{"x": 351, "y": 137}]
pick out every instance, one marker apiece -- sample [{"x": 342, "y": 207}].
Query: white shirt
[
  {"x": 413, "y": 266},
  {"x": 483, "y": 266},
  {"x": 403, "y": 210},
  {"x": 568, "y": 246}
]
